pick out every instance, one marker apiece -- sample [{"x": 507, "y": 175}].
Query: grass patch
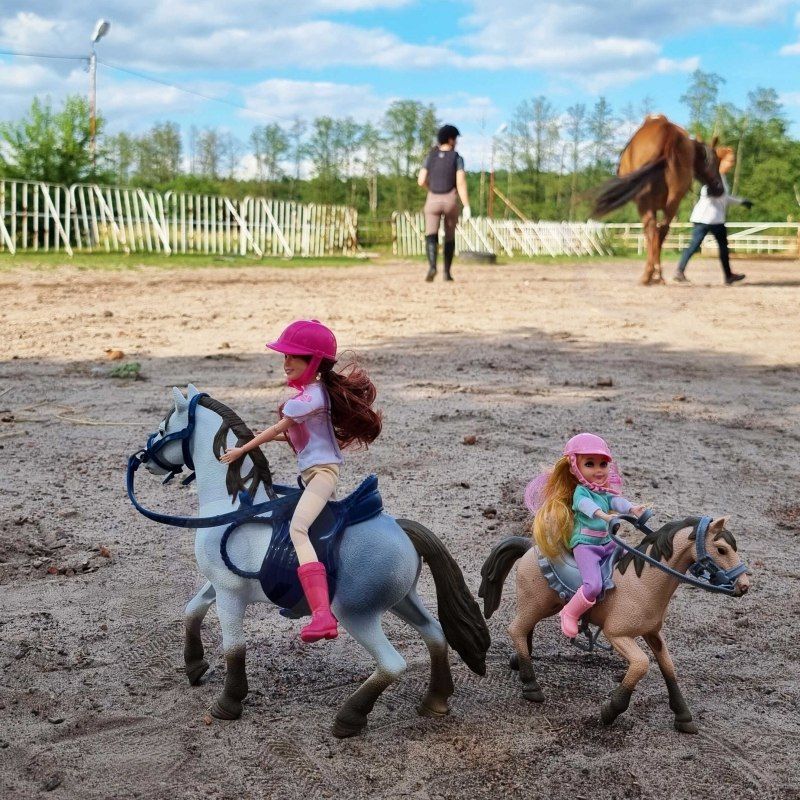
[
  {"x": 121, "y": 261},
  {"x": 130, "y": 371}
]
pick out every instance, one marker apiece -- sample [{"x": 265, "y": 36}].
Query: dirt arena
[{"x": 696, "y": 389}]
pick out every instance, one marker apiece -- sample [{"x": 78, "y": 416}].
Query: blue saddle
[
  {"x": 564, "y": 577},
  {"x": 278, "y": 572}
]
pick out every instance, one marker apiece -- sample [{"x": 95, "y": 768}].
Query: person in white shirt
[{"x": 708, "y": 216}]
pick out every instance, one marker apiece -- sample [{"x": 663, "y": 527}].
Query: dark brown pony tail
[
  {"x": 352, "y": 393},
  {"x": 618, "y": 191}
]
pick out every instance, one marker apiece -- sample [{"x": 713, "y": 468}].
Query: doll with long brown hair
[
  {"x": 330, "y": 412},
  {"x": 573, "y": 504}
]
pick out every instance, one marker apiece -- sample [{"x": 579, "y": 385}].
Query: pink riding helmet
[
  {"x": 584, "y": 444},
  {"x": 306, "y": 337},
  {"x": 589, "y": 444}
]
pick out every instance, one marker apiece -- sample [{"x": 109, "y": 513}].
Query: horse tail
[
  {"x": 496, "y": 568},
  {"x": 461, "y": 619},
  {"x": 618, "y": 191}
]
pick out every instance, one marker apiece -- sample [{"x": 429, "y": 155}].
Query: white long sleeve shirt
[{"x": 712, "y": 210}]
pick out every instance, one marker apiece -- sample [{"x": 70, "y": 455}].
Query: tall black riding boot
[
  {"x": 431, "y": 249},
  {"x": 449, "y": 252}
]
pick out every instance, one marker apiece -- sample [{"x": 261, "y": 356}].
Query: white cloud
[{"x": 285, "y": 99}]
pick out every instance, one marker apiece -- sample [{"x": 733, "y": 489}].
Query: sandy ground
[{"x": 702, "y": 411}]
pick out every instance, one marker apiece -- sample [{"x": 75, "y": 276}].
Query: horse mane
[
  {"x": 660, "y": 543},
  {"x": 235, "y": 482}
]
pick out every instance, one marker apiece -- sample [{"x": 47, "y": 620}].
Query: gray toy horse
[{"x": 378, "y": 568}]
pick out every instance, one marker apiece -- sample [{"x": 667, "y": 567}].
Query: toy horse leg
[
  {"x": 411, "y": 610},
  {"x": 366, "y": 630},
  {"x": 193, "y": 654},
  {"x": 230, "y": 610},
  {"x": 521, "y": 632},
  {"x": 677, "y": 702},
  {"x": 638, "y": 664}
]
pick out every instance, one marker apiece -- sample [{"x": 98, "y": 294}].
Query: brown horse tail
[
  {"x": 496, "y": 568},
  {"x": 618, "y": 191},
  {"x": 461, "y": 619}
]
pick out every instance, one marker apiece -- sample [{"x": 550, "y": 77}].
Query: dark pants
[{"x": 701, "y": 230}]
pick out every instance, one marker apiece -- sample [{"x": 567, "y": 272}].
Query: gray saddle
[{"x": 564, "y": 577}]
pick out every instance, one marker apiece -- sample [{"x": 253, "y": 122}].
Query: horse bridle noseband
[
  {"x": 707, "y": 574},
  {"x": 154, "y": 445}
]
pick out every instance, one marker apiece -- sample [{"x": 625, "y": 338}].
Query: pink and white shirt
[{"x": 312, "y": 434}]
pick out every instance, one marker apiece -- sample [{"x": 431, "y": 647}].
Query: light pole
[
  {"x": 501, "y": 129},
  {"x": 101, "y": 28}
]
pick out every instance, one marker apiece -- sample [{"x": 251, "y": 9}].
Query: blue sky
[{"x": 474, "y": 60}]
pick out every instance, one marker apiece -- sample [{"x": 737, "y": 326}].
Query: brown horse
[
  {"x": 656, "y": 170},
  {"x": 635, "y": 607}
]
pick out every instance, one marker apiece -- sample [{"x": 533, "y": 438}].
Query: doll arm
[
  {"x": 621, "y": 504},
  {"x": 273, "y": 432},
  {"x": 587, "y": 506}
]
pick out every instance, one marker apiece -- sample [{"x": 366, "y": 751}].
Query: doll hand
[
  {"x": 638, "y": 510},
  {"x": 231, "y": 454}
]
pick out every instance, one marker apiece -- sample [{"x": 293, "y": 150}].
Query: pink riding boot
[
  {"x": 573, "y": 611},
  {"x": 314, "y": 581}
]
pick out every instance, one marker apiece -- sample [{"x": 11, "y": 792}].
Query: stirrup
[{"x": 593, "y": 638}]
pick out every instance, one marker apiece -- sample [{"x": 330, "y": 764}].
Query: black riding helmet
[{"x": 446, "y": 133}]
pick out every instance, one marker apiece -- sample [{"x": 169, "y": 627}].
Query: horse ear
[
  {"x": 714, "y": 142},
  {"x": 180, "y": 400},
  {"x": 191, "y": 390},
  {"x": 718, "y": 524},
  {"x": 699, "y": 138}
]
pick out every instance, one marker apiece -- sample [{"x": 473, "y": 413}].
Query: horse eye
[{"x": 721, "y": 551}]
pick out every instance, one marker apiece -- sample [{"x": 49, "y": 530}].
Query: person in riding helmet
[
  {"x": 573, "y": 504},
  {"x": 330, "y": 412},
  {"x": 443, "y": 175}
]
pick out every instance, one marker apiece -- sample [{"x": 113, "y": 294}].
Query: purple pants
[{"x": 588, "y": 558}]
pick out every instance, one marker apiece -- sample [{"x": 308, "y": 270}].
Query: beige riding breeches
[{"x": 320, "y": 482}]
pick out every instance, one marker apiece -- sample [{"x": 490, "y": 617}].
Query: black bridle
[
  {"x": 707, "y": 574},
  {"x": 155, "y": 445},
  {"x": 151, "y": 452}
]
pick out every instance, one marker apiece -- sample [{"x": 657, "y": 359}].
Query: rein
[
  {"x": 151, "y": 452},
  {"x": 708, "y": 575}
]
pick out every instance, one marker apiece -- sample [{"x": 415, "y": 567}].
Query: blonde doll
[{"x": 574, "y": 503}]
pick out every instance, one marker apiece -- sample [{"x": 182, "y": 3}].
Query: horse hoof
[
  {"x": 194, "y": 672},
  {"x": 607, "y": 713},
  {"x": 432, "y": 708},
  {"x": 345, "y": 728},
  {"x": 533, "y": 695},
  {"x": 686, "y": 727},
  {"x": 513, "y": 662},
  {"x": 224, "y": 708}
]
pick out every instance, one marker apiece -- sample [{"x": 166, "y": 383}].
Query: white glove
[{"x": 466, "y": 213}]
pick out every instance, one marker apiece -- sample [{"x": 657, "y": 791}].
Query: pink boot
[
  {"x": 573, "y": 611},
  {"x": 314, "y": 581}
]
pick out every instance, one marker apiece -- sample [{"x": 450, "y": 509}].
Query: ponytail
[{"x": 351, "y": 392}]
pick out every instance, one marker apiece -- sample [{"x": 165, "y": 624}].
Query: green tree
[
  {"x": 702, "y": 100},
  {"x": 158, "y": 154},
  {"x": 50, "y": 145},
  {"x": 601, "y": 127},
  {"x": 120, "y": 153},
  {"x": 410, "y": 130},
  {"x": 270, "y": 144}
]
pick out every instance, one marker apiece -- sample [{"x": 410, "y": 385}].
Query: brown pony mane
[
  {"x": 660, "y": 543},
  {"x": 235, "y": 482}
]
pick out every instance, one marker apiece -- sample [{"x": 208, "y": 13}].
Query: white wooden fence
[
  {"x": 768, "y": 238},
  {"x": 510, "y": 237},
  {"x": 46, "y": 217}
]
